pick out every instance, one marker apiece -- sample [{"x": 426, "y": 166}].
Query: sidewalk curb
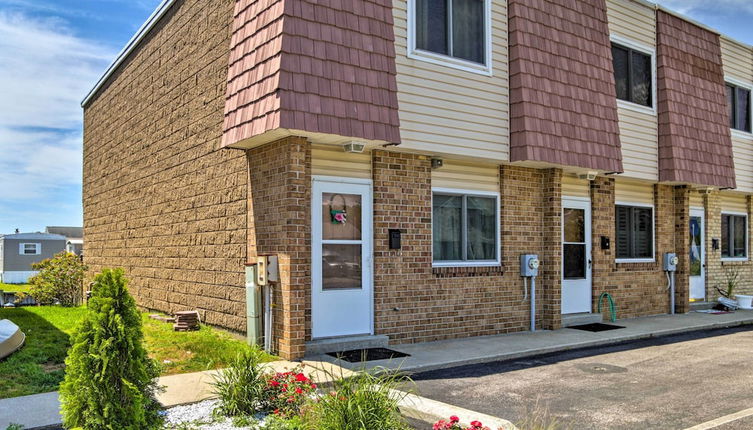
[{"x": 568, "y": 347}]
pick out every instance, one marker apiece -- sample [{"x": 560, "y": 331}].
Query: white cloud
[
  {"x": 45, "y": 71},
  {"x": 693, "y": 7}
]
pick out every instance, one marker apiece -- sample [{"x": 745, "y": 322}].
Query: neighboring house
[
  {"x": 598, "y": 134},
  {"x": 74, "y": 237},
  {"x": 19, "y": 251}
]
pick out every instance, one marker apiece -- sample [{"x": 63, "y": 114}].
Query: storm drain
[
  {"x": 370, "y": 354},
  {"x": 594, "y": 327}
]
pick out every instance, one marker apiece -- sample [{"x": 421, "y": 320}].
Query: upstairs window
[
  {"x": 465, "y": 229},
  {"x": 734, "y": 236},
  {"x": 453, "y": 28},
  {"x": 633, "y": 75},
  {"x": 634, "y": 227},
  {"x": 738, "y": 106},
  {"x": 30, "y": 249}
]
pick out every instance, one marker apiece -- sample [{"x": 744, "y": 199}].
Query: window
[
  {"x": 738, "y": 106},
  {"x": 634, "y": 226},
  {"x": 452, "y": 28},
  {"x": 633, "y": 75},
  {"x": 734, "y": 236},
  {"x": 30, "y": 249},
  {"x": 465, "y": 229}
]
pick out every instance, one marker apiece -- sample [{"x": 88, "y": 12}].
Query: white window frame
[
  {"x": 22, "y": 248},
  {"x": 653, "y": 233},
  {"x": 497, "y": 231},
  {"x": 648, "y": 50},
  {"x": 748, "y": 86},
  {"x": 446, "y": 60},
  {"x": 747, "y": 236}
]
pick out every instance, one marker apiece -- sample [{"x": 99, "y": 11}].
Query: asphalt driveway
[{"x": 674, "y": 382}]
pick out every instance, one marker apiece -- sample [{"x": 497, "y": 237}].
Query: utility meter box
[
  {"x": 670, "y": 262},
  {"x": 529, "y": 265},
  {"x": 267, "y": 269}
]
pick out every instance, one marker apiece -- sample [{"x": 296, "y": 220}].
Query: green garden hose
[{"x": 612, "y": 312}]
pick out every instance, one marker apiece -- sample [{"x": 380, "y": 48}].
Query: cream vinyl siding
[
  {"x": 639, "y": 132},
  {"x": 444, "y": 110},
  {"x": 734, "y": 202},
  {"x": 634, "y": 192},
  {"x": 466, "y": 176},
  {"x": 333, "y": 161},
  {"x": 632, "y": 20},
  {"x": 696, "y": 199},
  {"x": 574, "y": 187},
  {"x": 742, "y": 152},
  {"x": 737, "y": 60}
]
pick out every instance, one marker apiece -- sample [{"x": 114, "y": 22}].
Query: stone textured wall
[
  {"x": 638, "y": 289},
  {"x": 415, "y": 302},
  {"x": 160, "y": 199},
  {"x": 279, "y": 223}
]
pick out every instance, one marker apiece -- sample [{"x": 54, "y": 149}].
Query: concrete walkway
[{"x": 458, "y": 352}]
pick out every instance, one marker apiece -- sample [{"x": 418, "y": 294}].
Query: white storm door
[
  {"x": 697, "y": 257},
  {"x": 341, "y": 265},
  {"x": 576, "y": 255}
]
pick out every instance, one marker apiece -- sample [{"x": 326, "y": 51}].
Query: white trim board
[{"x": 129, "y": 47}]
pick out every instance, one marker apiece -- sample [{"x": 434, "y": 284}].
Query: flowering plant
[
  {"x": 286, "y": 392},
  {"x": 454, "y": 424}
]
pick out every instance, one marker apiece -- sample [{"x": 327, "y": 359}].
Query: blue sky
[{"x": 52, "y": 52}]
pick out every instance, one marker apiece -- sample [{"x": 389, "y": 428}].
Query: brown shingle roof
[
  {"x": 562, "y": 93},
  {"x": 695, "y": 145},
  {"x": 325, "y": 66}
]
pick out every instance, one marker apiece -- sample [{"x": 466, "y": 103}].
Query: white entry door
[
  {"x": 576, "y": 255},
  {"x": 697, "y": 257},
  {"x": 341, "y": 265}
]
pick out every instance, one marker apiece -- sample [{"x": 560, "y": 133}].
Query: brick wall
[
  {"x": 160, "y": 199},
  {"x": 279, "y": 213},
  {"x": 638, "y": 289},
  {"x": 415, "y": 302},
  {"x": 716, "y": 269}
]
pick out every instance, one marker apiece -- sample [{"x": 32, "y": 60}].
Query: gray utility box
[
  {"x": 670, "y": 262},
  {"x": 529, "y": 265}
]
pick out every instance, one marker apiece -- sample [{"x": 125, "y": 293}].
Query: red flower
[
  {"x": 454, "y": 419},
  {"x": 301, "y": 377},
  {"x": 313, "y": 386},
  {"x": 299, "y": 390},
  {"x": 274, "y": 383},
  {"x": 476, "y": 424}
]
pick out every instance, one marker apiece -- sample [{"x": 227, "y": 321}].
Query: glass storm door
[
  {"x": 341, "y": 274},
  {"x": 697, "y": 257},
  {"x": 576, "y": 256}
]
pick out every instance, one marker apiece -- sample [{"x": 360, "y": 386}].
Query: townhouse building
[{"x": 597, "y": 134}]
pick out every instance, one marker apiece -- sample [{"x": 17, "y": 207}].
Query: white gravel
[{"x": 199, "y": 415}]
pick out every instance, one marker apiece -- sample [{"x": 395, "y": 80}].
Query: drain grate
[
  {"x": 594, "y": 327},
  {"x": 370, "y": 354}
]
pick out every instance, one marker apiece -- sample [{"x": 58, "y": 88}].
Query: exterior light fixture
[{"x": 354, "y": 147}]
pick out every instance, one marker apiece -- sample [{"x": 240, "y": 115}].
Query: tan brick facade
[
  {"x": 159, "y": 199},
  {"x": 415, "y": 302},
  {"x": 279, "y": 224},
  {"x": 716, "y": 268}
]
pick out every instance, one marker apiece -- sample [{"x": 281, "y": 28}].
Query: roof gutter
[{"x": 130, "y": 46}]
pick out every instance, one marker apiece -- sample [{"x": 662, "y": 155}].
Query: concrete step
[
  {"x": 346, "y": 343},
  {"x": 699, "y": 306},
  {"x": 580, "y": 319}
]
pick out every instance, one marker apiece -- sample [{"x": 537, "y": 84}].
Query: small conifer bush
[{"x": 109, "y": 380}]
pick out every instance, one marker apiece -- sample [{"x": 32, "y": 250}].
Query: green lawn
[
  {"x": 39, "y": 366},
  {"x": 15, "y": 288}
]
